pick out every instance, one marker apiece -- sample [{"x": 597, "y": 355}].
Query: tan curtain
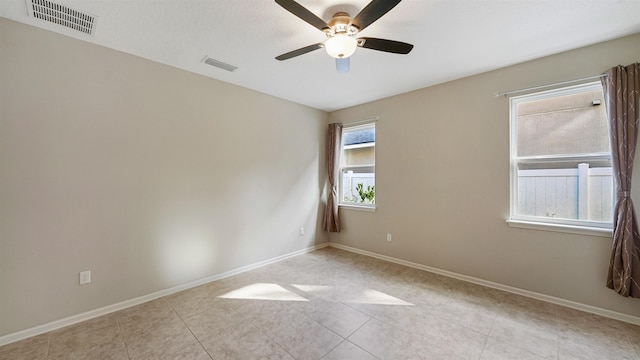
[
  {"x": 331, "y": 222},
  {"x": 621, "y": 88}
]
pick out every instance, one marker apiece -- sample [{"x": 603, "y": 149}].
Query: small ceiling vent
[
  {"x": 219, "y": 64},
  {"x": 62, "y": 15}
]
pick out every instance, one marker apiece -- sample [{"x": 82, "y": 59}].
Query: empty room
[{"x": 319, "y": 179}]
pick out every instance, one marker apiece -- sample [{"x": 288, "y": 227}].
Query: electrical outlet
[
  {"x": 389, "y": 237},
  {"x": 301, "y": 231},
  {"x": 85, "y": 277}
]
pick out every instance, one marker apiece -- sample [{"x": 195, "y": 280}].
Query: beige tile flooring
[{"x": 332, "y": 304}]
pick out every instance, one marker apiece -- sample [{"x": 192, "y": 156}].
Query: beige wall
[
  {"x": 144, "y": 174},
  {"x": 442, "y": 184}
]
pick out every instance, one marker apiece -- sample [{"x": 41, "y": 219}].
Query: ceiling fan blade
[
  {"x": 304, "y": 14},
  {"x": 300, "y": 51},
  {"x": 373, "y": 12},
  {"x": 343, "y": 65},
  {"x": 391, "y": 46}
]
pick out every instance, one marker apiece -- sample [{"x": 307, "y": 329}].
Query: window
[
  {"x": 561, "y": 175},
  {"x": 358, "y": 166}
]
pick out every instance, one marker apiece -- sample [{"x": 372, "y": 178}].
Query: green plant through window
[{"x": 367, "y": 196}]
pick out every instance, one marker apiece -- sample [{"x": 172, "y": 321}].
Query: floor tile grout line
[
  {"x": 521, "y": 348},
  {"x": 49, "y": 346},
  {"x": 166, "y": 302},
  {"x": 124, "y": 342},
  {"x": 308, "y": 318},
  {"x": 251, "y": 322},
  {"x": 398, "y": 327},
  {"x": 484, "y": 346},
  {"x": 259, "y": 328},
  {"x": 557, "y": 341},
  {"x": 558, "y": 338},
  {"x": 493, "y": 323},
  {"x": 246, "y": 319},
  {"x": 363, "y": 324},
  {"x": 356, "y": 345},
  {"x": 317, "y": 322},
  {"x": 188, "y": 328},
  {"x": 630, "y": 341},
  {"x": 330, "y": 350},
  {"x": 283, "y": 348}
]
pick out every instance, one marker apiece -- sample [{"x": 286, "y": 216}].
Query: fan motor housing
[{"x": 340, "y": 23}]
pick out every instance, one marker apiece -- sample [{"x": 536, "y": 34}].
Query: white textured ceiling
[{"x": 452, "y": 39}]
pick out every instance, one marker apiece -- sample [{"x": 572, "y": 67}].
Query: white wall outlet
[
  {"x": 389, "y": 237},
  {"x": 85, "y": 277},
  {"x": 301, "y": 231}
]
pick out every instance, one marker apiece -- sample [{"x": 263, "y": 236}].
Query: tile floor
[{"x": 332, "y": 304}]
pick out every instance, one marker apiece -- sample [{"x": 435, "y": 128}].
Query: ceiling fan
[{"x": 341, "y": 32}]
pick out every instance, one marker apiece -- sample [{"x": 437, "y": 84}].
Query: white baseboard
[
  {"x": 531, "y": 294},
  {"x": 58, "y": 324},
  {"x": 41, "y": 329}
]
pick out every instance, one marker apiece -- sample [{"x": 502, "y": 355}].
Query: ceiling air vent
[
  {"x": 62, "y": 15},
  {"x": 219, "y": 64}
]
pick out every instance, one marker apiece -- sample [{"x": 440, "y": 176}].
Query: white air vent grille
[
  {"x": 62, "y": 15},
  {"x": 219, "y": 64}
]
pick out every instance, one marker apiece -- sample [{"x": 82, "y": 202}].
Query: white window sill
[
  {"x": 358, "y": 207},
  {"x": 573, "y": 229}
]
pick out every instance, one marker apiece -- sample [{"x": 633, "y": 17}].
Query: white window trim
[
  {"x": 360, "y": 146},
  {"x": 581, "y": 230},
  {"x": 357, "y": 206},
  {"x": 582, "y": 227},
  {"x": 363, "y": 207}
]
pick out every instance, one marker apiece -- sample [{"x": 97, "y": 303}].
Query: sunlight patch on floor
[
  {"x": 262, "y": 291},
  {"x": 312, "y": 288},
  {"x": 374, "y": 297},
  {"x": 364, "y": 296}
]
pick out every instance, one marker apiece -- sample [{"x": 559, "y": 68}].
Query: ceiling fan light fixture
[{"x": 341, "y": 46}]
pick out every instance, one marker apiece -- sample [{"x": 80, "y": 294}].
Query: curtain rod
[
  {"x": 374, "y": 119},
  {"x": 550, "y": 85}
]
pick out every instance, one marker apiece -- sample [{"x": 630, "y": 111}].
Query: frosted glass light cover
[{"x": 341, "y": 46}]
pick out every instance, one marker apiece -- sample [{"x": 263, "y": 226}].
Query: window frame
[
  {"x": 576, "y": 226},
  {"x": 347, "y": 127}
]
